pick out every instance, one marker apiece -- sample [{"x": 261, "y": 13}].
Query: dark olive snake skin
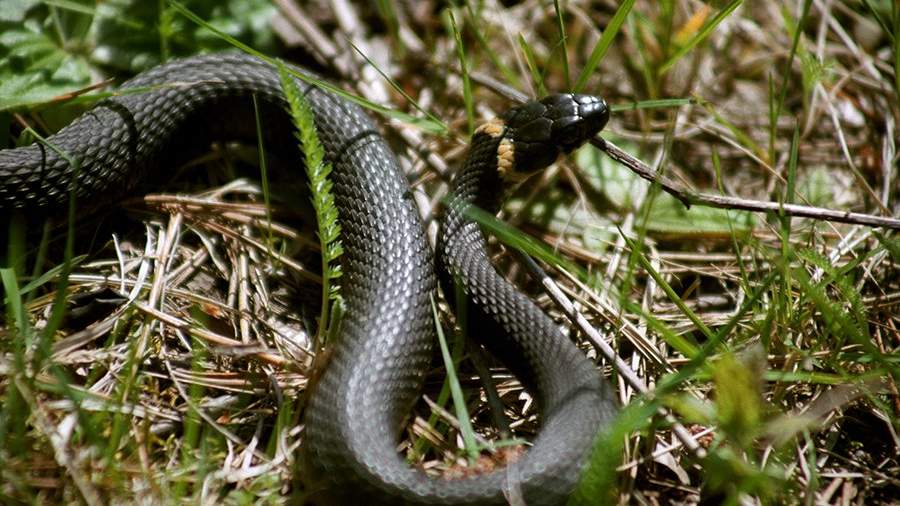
[{"x": 385, "y": 346}]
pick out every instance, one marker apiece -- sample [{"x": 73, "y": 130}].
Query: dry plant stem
[
  {"x": 316, "y": 41},
  {"x": 208, "y": 335},
  {"x": 609, "y": 354},
  {"x": 63, "y": 452},
  {"x": 660, "y": 452},
  {"x": 77, "y": 340},
  {"x": 451, "y": 419},
  {"x": 689, "y": 198},
  {"x": 203, "y": 414}
]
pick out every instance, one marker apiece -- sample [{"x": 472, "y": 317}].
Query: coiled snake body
[{"x": 386, "y": 341}]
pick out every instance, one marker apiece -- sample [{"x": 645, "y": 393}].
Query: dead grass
[{"x": 180, "y": 372}]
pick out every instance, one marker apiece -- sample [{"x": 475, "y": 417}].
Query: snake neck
[
  {"x": 478, "y": 183},
  {"x": 477, "y": 187}
]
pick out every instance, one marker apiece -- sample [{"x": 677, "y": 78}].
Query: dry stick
[
  {"x": 63, "y": 452},
  {"x": 689, "y": 197},
  {"x": 319, "y": 44},
  {"x": 633, "y": 380}
]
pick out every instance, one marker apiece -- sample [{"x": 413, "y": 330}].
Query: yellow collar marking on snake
[
  {"x": 506, "y": 159},
  {"x": 506, "y": 162},
  {"x": 494, "y": 127}
]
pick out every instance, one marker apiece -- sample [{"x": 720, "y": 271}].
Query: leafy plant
[{"x": 317, "y": 171}]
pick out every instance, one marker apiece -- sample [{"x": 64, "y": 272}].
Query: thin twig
[
  {"x": 689, "y": 197},
  {"x": 319, "y": 44},
  {"x": 63, "y": 450},
  {"x": 609, "y": 354}
]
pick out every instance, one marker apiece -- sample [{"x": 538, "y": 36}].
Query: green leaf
[
  {"x": 317, "y": 171},
  {"x": 34, "y": 69},
  {"x": 124, "y": 39},
  {"x": 39, "y": 64},
  {"x": 619, "y": 185},
  {"x": 701, "y": 34},
  {"x": 669, "y": 216},
  {"x": 739, "y": 396},
  {"x": 603, "y": 44},
  {"x": 817, "y": 187},
  {"x": 15, "y": 10}
]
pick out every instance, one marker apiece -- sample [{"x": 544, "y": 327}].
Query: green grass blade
[
  {"x": 773, "y": 118},
  {"x": 786, "y": 73},
  {"x": 523, "y": 242},
  {"x": 166, "y": 28},
  {"x": 459, "y": 400},
  {"x": 735, "y": 243},
  {"x": 653, "y": 104},
  {"x": 511, "y": 77},
  {"x": 536, "y": 76},
  {"x": 387, "y": 11},
  {"x": 456, "y": 354},
  {"x": 58, "y": 308},
  {"x": 821, "y": 378},
  {"x": 563, "y": 42},
  {"x": 700, "y": 35},
  {"x": 399, "y": 89},
  {"x": 670, "y": 293},
  {"x": 783, "y": 298},
  {"x": 16, "y": 243},
  {"x": 677, "y": 341},
  {"x": 743, "y": 138},
  {"x": 14, "y": 308},
  {"x": 603, "y": 44},
  {"x": 263, "y": 171},
  {"x": 48, "y": 275},
  {"x": 671, "y": 382},
  {"x": 896, "y": 40},
  {"x": 463, "y": 71},
  {"x": 880, "y": 20}
]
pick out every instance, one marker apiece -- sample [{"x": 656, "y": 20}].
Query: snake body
[{"x": 385, "y": 344}]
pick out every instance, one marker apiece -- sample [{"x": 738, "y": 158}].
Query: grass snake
[{"x": 385, "y": 345}]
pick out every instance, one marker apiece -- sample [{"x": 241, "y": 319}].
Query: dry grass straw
[{"x": 205, "y": 328}]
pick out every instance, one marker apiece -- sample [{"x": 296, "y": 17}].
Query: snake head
[{"x": 542, "y": 130}]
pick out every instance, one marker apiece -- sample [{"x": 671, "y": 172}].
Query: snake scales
[{"x": 386, "y": 341}]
